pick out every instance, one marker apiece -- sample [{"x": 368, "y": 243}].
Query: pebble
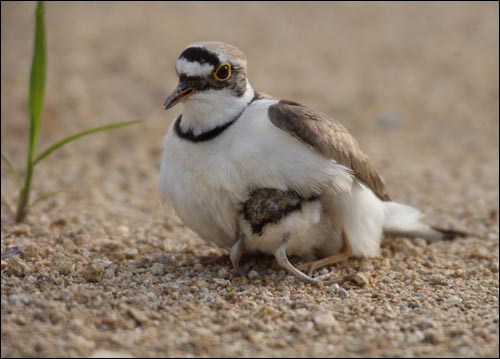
[
  {"x": 157, "y": 269},
  {"x": 139, "y": 316},
  {"x": 434, "y": 337},
  {"x": 105, "y": 262},
  {"x": 17, "y": 266},
  {"x": 81, "y": 342},
  {"x": 417, "y": 336},
  {"x": 93, "y": 272},
  {"x": 160, "y": 257},
  {"x": 20, "y": 298},
  {"x": 453, "y": 300},
  {"x": 308, "y": 326},
  {"x": 420, "y": 242},
  {"x": 223, "y": 273},
  {"x": 493, "y": 267},
  {"x": 21, "y": 230},
  {"x": 481, "y": 254},
  {"x": 342, "y": 293},
  {"x": 31, "y": 251},
  {"x": 104, "y": 353},
  {"x": 131, "y": 253},
  {"x": 252, "y": 274},
  {"x": 123, "y": 230},
  {"x": 324, "y": 320},
  {"x": 198, "y": 267},
  {"x": 62, "y": 264},
  {"x": 202, "y": 284},
  {"x": 438, "y": 279},
  {"x": 360, "y": 279}
]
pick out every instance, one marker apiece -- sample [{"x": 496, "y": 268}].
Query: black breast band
[{"x": 211, "y": 134}]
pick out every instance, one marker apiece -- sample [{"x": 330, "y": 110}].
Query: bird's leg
[
  {"x": 346, "y": 252},
  {"x": 282, "y": 260},
  {"x": 236, "y": 253}
]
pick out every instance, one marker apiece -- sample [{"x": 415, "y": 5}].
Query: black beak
[{"x": 182, "y": 90}]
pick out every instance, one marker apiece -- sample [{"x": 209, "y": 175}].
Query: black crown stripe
[{"x": 201, "y": 55}]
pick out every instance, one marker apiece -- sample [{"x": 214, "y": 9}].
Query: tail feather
[
  {"x": 451, "y": 233},
  {"x": 406, "y": 221}
]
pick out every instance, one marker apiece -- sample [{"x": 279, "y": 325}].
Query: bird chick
[{"x": 283, "y": 222}]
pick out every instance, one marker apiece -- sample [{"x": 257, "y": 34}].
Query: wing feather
[{"x": 323, "y": 134}]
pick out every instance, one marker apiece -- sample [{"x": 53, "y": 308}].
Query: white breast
[{"x": 207, "y": 181}]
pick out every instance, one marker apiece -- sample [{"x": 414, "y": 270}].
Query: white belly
[{"x": 207, "y": 181}]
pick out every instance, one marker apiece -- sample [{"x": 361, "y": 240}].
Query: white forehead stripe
[{"x": 188, "y": 68}]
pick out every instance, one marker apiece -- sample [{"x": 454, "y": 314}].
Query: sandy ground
[{"x": 102, "y": 269}]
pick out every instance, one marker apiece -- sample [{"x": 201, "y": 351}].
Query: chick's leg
[
  {"x": 237, "y": 252},
  {"x": 346, "y": 253},
  {"x": 283, "y": 261}
]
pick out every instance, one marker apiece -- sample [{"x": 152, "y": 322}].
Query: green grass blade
[
  {"x": 37, "y": 90},
  {"x": 65, "y": 140},
  {"x": 48, "y": 195},
  {"x": 37, "y": 80},
  {"x": 12, "y": 169}
]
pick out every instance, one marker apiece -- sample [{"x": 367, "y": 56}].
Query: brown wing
[{"x": 329, "y": 138}]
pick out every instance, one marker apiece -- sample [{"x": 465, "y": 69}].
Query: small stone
[
  {"x": 160, "y": 257},
  {"x": 324, "y": 320},
  {"x": 223, "y": 273},
  {"x": 131, "y": 253},
  {"x": 453, "y": 300},
  {"x": 202, "y": 284},
  {"x": 93, "y": 272},
  {"x": 252, "y": 274},
  {"x": 342, "y": 293},
  {"x": 480, "y": 254},
  {"x": 62, "y": 264},
  {"x": 139, "y": 316},
  {"x": 418, "y": 336},
  {"x": 198, "y": 267},
  {"x": 123, "y": 230},
  {"x": 59, "y": 222},
  {"x": 109, "y": 274},
  {"x": 21, "y": 230},
  {"x": 18, "y": 267},
  {"x": 493, "y": 267},
  {"x": 4, "y": 265},
  {"x": 366, "y": 266},
  {"x": 81, "y": 342},
  {"x": 143, "y": 262},
  {"x": 438, "y": 279},
  {"x": 105, "y": 262},
  {"x": 19, "y": 298},
  {"x": 31, "y": 251},
  {"x": 434, "y": 337},
  {"x": 307, "y": 326},
  {"x": 7, "y": 252},
  {"x": 420, "y": 242},
  {"x": 103, "y": 353},
  {"x": 360, "y": 279},
  {"x": 157, "y": 269}
]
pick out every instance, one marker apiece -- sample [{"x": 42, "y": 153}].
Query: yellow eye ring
[{"x": 225, "y": 72}]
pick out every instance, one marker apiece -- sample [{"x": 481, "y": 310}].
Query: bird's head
[{"x": 208, "y": 71}]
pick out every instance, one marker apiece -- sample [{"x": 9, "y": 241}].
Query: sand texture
[{"x": 102, "y": 269}]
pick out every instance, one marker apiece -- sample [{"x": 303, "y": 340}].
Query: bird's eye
[{"x": 223, "y": 72}]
